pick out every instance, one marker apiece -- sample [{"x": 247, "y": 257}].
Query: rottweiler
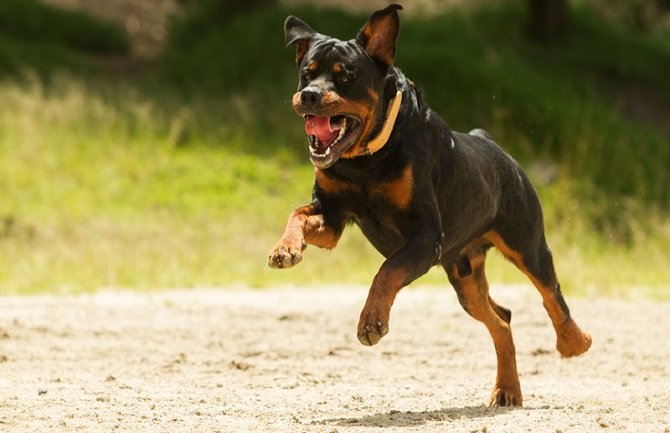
[{"x": 422, "y": 194}]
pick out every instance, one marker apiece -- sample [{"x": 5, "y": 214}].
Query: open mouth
[{"x": 329, "y": 136}]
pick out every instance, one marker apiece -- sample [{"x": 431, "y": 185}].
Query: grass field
[{"x": 184, "y": 176}]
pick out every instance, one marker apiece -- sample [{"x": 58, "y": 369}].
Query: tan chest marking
[
  {"x": 398, "y": 191},
  {"x": 331, "y": 186}
]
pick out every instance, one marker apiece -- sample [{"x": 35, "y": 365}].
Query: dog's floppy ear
[
  {"x": 378, "y": 35},
  {"x": 296, "y": 31}
]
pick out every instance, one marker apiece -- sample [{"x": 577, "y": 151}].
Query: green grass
[
  {"x": 97, "y": 194},
  {"x": 186, "y": 178}
]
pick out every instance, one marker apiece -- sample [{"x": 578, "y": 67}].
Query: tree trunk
[{"x": 549, "y": 20}]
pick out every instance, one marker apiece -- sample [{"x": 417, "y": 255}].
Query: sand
[{"x": 288, "y": 360}]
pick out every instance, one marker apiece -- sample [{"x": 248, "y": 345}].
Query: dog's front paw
[
  {"x": 285, "y": 255},
  {"x": 372, "y": 327}
]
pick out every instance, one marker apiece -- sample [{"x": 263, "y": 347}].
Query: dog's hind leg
[
  {"x": 533, "y": 257},
  {"x": 501, "y": 311},
  {"x": 469, "y": 280}
]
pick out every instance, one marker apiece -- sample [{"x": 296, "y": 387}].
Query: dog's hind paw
[
  {"x": 504, "y": 397},
  {"x": 572, "y": 341}
]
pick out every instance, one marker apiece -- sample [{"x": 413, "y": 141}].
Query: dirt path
[{"x": 288, "y": 361}]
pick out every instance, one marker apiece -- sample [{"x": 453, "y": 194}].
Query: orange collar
[{"x": 377, "y": 142}]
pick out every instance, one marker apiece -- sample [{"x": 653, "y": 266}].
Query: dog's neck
[{"x": 379, "y": 140}]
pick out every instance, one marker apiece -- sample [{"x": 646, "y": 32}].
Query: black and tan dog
[{"x": 422, "y": 194}]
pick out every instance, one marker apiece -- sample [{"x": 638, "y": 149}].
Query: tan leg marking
[
  {"x": 304, "y": 226},
  {"x": 473, "y": 290},
  {"x": 570, "y": 339}
]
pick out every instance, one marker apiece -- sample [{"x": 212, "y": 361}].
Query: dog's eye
[
  {"x": 307, "y": 76},
  {"x": 344, "y": 78}
]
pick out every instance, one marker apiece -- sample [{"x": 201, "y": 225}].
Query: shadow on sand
[{"x": 396, "y": 418}]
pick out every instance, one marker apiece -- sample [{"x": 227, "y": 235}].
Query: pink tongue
[{"x": 319, "y": 126}]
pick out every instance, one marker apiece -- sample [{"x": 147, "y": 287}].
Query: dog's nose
[{"x": 310, "y": 97}]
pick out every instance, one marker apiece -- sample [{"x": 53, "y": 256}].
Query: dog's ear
[
  {"x": 378, "y": 35},
  {"x": 296, "y": 31}
]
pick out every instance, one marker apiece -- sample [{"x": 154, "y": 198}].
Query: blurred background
[{"x": 150, "y": 144}]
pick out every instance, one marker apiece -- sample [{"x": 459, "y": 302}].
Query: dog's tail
[{"x": 481, "y": 133}]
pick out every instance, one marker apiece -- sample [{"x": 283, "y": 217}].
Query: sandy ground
[{"x": 288, "y": 360}]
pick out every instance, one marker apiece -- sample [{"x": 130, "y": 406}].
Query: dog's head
[{"x": 341, "y": 84}]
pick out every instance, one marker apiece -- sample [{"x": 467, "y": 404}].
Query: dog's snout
[{"x": 310, "y": 97}]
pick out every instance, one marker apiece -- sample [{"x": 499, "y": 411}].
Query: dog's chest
[
  {"x": 379, "y": 208},
  {"x": 394, "y": 194}
]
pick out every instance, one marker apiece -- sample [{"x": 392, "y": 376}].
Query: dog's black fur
[{"x": 430, "y": 196}]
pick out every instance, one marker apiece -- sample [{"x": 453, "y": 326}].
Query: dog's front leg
[
  {"x": 423, "y": 250},
  {"x": 306, "y": 225}
]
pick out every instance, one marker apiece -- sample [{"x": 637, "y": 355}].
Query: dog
[{"x": 422, "y": 194}]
